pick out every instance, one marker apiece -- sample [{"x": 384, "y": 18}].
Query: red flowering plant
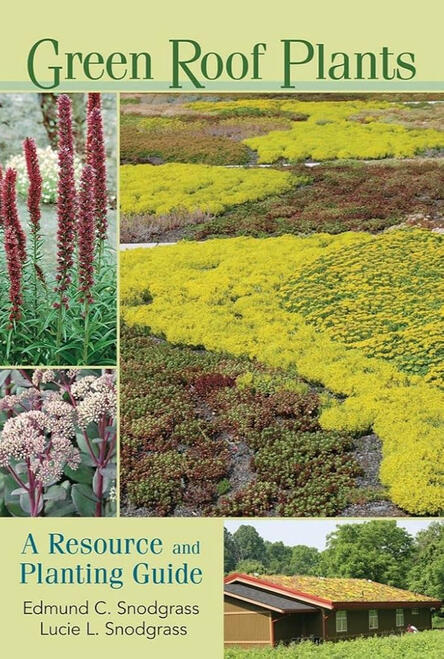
[
  {"x": 86, "y": 235},
  {"x": 15, "y": 251},
  {"x": 57, "y": 442},
  {"x": 95, "y": 150},
  {"x": 34, "y": 201},
  {"x": 66, "y": 209},
  {"x": 62, "y": 310},
  {"x": 1, "y": 186}
]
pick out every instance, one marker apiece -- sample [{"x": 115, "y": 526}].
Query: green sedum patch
[
  {"x": 211, "y": 434},
  {"x": 382, "y": 297}
]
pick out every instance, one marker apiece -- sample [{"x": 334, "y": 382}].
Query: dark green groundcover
[
  {"x": 428, "y": 644},
  {"x": 205, "y": 433}
]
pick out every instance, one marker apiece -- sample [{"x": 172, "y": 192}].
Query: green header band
[{"x": 229, "y": 86}]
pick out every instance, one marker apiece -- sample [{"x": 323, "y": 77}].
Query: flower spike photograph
[{"x": 57, "y": 229}]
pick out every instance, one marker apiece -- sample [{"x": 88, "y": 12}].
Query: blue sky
[{"x": 311, "y": 532}]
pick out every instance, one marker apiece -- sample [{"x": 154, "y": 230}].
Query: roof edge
[
  {"x": 260, "y": 605},
  {"x": 237, "y": 576},
  {"x": 428, "y": 602}
]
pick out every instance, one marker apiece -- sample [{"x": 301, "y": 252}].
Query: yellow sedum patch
[
  {"x": 227, "y": 296},
  {"x": 344, "y": 140},
  {"x": 383, "y": 297},
  {"x": 177, "y": 187},
  {"x": 329, "y": 132}
]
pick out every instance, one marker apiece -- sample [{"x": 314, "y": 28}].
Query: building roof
[
  {"x": 267, "y": 599},
  {"x": 335, "y": 593}
]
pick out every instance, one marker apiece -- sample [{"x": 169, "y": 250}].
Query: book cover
[{"x": 221, "y": 358}]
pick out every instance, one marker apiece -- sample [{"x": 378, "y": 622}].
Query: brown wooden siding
[
  {"x": 297, "y": 625},
  {"x": 357, "y": 623},
  {"x": 246, "y": 625},
  {"x": 233, "y": 604}
]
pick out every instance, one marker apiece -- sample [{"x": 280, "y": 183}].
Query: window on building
[
  {"x": 341, "y": 621},
  {"x": 400, "y": 617},
  {"x": 415, "y": 612},
  {"x": 373, "y": 619}
]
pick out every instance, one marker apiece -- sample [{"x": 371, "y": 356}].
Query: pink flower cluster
[
  {"x": 42, "y": 376},
  {"x": 25, "y": 400},
  {"x": 25, "y": 438},
  {"x": 38, "y": 439},
  {"x": 49, "y": 468},
  {"x": 97, "y": 399}
]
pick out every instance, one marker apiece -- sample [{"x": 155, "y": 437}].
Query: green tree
[
  {"x": 251, "y": 567},
  {"x": 230, "y": 556},
  {"x": 377, "y": 550},
  {"x": 427, "y": 573},
  {"x": 304, "y": 560},
  {"x": 249, "y": 544},
  {"x": 277, "y": 557}
]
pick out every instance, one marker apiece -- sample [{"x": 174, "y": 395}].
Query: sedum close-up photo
[
  {"x": 58, "y": 443},
  {"x": 281, "y": 303},
  {"x": 57, "y": 229}
]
